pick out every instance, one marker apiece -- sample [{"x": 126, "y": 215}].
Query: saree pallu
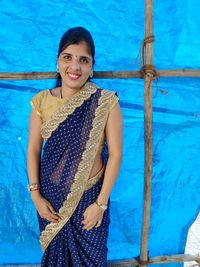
[{"x": 74, "y": 133}]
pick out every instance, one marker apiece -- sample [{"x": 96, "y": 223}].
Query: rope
[
  {"x": 141, "y": 52},
  {"x": 146, "y": 70}
]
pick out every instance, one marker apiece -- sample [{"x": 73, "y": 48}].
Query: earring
[
  {"x": 91, "y": 74},
  {"x": 57, "y": 69}
]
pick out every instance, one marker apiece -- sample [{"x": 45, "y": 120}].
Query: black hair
[{"x": 75, "y": 35}]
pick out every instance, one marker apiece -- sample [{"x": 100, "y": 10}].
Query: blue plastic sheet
[{"x": 29, "y": 42}]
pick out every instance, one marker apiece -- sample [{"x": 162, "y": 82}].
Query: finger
[
  {"x": 86, "y": 225},
  {"x": 51, "y": 217},
  {"x": 89, "y": 225},
  {"x": 85, "y": 221},
  {"x": 56, "y": 215},
  {"x": 85, "y": 215},
  {"x": 54, "y": 220},
  {"x": 98, "y": 224},
  {"x": 51, "y": 208}
]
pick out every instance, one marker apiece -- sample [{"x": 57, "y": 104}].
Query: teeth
[{"x": 73, "y": 75}]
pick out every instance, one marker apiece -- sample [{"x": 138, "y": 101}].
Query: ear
[{"x": 91, "y": 74}]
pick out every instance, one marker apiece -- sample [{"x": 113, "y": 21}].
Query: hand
[
  {"x": 45, "y": 209},
  {"x": 93, "y": 216}
]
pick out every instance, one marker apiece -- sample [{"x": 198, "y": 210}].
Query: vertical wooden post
[{"x": 148, "y": 60}]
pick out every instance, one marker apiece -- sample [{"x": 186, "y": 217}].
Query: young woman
[{"x": 70, "y": 181}]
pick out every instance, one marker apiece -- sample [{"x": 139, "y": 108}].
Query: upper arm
[
  {"x": 114, "y": 128},
  {"x": 35, "y": 139}
]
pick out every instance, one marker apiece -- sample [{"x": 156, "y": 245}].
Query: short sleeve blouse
[{"x": 45, "y": 104}]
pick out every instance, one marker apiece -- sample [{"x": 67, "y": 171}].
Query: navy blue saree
[{"x": 73, "y": 135}]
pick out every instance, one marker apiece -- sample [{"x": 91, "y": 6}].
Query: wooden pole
[
  {"x": 99, "y": 74},
  {"x": 148, "y": 60}
]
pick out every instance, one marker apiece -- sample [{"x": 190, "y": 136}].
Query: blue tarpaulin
[{"x": 30, "y": 33}]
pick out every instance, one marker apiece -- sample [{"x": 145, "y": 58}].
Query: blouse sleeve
[
  {"x": 114, "y": 100},
  {"x": 36, "y": 103}
]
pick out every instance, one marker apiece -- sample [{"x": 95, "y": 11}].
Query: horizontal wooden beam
[
  {"x": 99, "y": 74},
  {"x": 27, "y": 75},
  {"x": 174, "y": 258},
  {"x": 156, "y": 260},
  {"x": 117, "y": 74},
  {"x": 179, "y": 73}
]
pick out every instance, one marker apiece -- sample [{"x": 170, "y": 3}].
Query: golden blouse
[{"x": 45, "y": 104}]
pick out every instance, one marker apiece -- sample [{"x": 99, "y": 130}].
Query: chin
[{"x": 75, "y": 84}]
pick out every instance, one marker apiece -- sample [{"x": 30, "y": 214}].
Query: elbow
[
  {"x": 34, "y": 150},
  {"x": 117, "y": 156}
]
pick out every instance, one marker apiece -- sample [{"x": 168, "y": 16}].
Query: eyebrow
[{"x": 68, "y": 54}]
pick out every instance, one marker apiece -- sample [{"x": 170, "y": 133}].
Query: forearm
[
  {"x": 33, "y": 164},
  {"x": 110, "y": 176}
]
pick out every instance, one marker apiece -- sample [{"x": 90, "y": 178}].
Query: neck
[{"x": 66, "y": 92}]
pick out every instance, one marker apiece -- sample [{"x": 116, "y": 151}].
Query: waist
[
  {"x": 92, "y": 180},
  {"x": 97, "y": 165}
]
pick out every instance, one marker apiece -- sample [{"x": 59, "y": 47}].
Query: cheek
[
  {"x": 87, "y": 69},
  {"x": 61, "y": 65}
]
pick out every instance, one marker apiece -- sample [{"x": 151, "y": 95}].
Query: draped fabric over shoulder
[{"x": 73, "y": 135}]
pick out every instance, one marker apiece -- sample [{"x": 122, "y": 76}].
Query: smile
[{"x": 73, "y": 76}]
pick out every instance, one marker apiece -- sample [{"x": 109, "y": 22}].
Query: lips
[{"x": 73, "y": 76}]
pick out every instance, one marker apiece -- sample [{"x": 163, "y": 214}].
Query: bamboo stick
[
  {"x": 99, "y": 74},
  {"x": 148, "y": 60}
]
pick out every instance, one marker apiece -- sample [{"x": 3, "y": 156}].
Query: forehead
[{"x": 80, "y": 49}]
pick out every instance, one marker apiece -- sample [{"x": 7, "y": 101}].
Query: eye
[
  {"x": 67, "y": 57},
  {"x": 84, "y": 60}
]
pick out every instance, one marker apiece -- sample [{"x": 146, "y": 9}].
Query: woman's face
[{"x": 75, "y": 65}]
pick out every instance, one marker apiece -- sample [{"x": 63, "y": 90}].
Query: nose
[{"x": 75, "y": 64}]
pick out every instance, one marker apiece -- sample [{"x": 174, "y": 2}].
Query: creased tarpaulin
[{"x": 29, "y": 41}]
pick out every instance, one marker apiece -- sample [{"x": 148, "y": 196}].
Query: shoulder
[
  {"x": 39, "y": 97},
  {"x": 37, "y": 100},
  {"x": 108, "y": 93},
  {"x": 41, "y": 94},
  {"x": 111, "y": 97}
]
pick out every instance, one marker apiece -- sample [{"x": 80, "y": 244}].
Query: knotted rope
[{"x": 146, "y": 69}]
